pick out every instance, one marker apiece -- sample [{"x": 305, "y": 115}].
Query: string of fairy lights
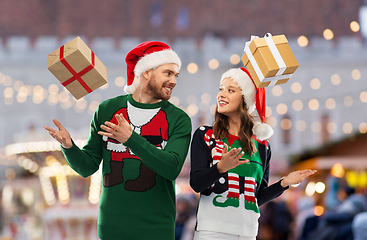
[
  {"x": 314, "y": 104},
  {"x": 53, "y": 95}
]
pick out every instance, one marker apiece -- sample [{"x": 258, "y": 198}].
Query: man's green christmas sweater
[{"x": 138, "y": 193}]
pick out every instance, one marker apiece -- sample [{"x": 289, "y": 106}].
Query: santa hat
[
  {"x": 253, "y": 97},
  {"x": 146, "y": 56}
]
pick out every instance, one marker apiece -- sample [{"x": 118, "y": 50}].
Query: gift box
[
  {"x": 269, "y": 60},
  {"x": 77, "y": 68}
]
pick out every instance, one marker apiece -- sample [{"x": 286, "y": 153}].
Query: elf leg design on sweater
[
  {"x": 249, "y": 192},
  {"x": 233, "y": 197},
  {"x": 152, "y": 125}
]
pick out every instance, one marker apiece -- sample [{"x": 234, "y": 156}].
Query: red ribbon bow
[{"x": 76, "y": 76}]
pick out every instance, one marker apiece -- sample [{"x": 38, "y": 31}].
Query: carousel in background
[{"x": 42, "y": 197}]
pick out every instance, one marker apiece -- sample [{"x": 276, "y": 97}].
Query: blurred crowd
[
  {"x": 186, "y": 205},
  {"x": 346, "y": 221}
]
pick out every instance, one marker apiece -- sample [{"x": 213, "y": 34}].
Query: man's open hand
[
  {"x": 62, "y": 135},
  {"x": 120, "y": 132}
]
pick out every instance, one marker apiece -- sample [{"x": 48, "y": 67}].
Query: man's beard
[{"x": 156, "y": 91}]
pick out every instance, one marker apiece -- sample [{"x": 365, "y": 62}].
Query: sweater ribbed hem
[
  {"x": 222, "y": 227},
  {"x": 113, "y": 233}
]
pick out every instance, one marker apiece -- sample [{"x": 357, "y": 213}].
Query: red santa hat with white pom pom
[
  {"x": 147, "y": 55},
  {"x": 254, "y": 97}
]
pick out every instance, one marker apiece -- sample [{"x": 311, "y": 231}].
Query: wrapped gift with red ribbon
[{"x": 77, "y": 68}]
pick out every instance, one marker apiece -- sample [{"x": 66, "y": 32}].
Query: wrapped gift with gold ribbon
[
  {"x": 269, "y": 60},
  {"x": 77, "y": 68}
]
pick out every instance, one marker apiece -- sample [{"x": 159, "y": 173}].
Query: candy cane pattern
[
  {"x": 217, "y": 150},
  {"x": 217, "y": 153}
]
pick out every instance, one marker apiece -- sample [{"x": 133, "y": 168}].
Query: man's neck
[{"x": 142, "y": 97}]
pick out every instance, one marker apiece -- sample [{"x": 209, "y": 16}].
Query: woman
[{"x": 230, "y": 163}]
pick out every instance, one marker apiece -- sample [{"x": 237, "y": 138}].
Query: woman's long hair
[{"x": 221, "y": 126}]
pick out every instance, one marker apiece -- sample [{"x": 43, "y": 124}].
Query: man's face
[{"x": 162, "y": 81}]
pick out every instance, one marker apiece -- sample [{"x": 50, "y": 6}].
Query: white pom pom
[
  {"x": 131, "y": 89},
  {"x": 262, "y": 131}
]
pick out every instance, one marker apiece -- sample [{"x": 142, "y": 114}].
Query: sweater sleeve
[
  {"x": 167, "y": 162},
  {"x": 86, "y": 161},
  {"x": 267, "y": 193},
  {"x": 202, "y": 176}
]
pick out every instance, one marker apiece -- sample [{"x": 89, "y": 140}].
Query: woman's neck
[{"x": 234, "y": 125}]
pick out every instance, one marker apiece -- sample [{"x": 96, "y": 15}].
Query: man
[{"x": 143, "y": 140}]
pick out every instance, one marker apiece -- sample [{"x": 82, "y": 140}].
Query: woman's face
[{"x": 229, "y": 97}]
